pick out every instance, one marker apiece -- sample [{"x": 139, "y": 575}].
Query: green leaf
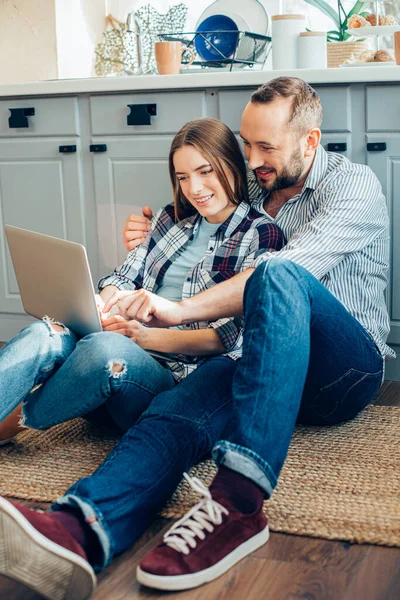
[
  {"x": 358, "y": 8},
  {"x": 326, "y": 9},
  {"x": 333, "y": 34}
]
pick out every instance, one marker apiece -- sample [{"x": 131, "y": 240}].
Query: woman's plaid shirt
[{"x": 235, "y": 245}]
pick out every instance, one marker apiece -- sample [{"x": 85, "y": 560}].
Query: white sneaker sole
[
  {"x": 192, "y": 580},
  {"x": 29, "y": 557}
]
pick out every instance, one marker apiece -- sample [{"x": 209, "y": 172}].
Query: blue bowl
[{"x": 222, "y": 35}]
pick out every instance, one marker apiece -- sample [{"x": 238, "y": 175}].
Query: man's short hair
[{"x": 306, "y": 105}]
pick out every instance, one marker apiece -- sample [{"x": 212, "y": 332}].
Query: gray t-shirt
[{"x": 174, "y": 278}]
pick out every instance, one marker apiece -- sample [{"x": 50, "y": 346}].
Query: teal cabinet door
[
  {"x": 40, "y": 189},
  {"x": 129, "y": 173},
  {"x": 386, "y": 165}
]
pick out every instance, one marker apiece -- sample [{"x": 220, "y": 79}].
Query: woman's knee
[{"x": 105, "y": 349}]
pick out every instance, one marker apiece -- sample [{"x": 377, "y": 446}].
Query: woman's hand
[
  {"x": 145, "y": 307},
  {"x": 131, "y": 329},
  {"x": 100, "y": 305},
  {"x": 136, "y": 228}
]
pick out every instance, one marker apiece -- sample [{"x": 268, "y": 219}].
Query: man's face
[{"x": 273, "y": 149}]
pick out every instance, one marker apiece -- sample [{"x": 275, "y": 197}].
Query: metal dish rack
[{"x": 251, "y": 48}]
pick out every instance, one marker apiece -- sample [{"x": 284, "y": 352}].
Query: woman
[{"x": 209, "y": 234}]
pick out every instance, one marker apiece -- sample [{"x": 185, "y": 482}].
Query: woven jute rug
[{"x": 340, "y": 482}]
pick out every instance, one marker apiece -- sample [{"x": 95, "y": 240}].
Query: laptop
[{"x": 54, "y": 279}]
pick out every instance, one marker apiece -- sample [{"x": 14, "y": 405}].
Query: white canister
[
  {"x": 285, "y": 34},
  {"x": 312, "y": 50}
]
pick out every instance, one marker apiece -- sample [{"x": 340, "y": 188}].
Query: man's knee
[{"x": 279, "y": 268}]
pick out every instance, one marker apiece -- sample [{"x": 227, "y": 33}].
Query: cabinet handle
[
  {"x": 67, "y": 149},
  {"x": 98, "y": 147},
  {"x": 376, "y": 146},
  {"x": 140, "y": 114},
  {"x": 19, "y": 116},
  {"x": 337, "y": 147}
]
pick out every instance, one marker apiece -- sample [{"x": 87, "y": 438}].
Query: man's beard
[{"x": 289, "y": 175}]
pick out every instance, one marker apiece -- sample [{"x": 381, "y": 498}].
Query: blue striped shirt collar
[{"x": 318, "y": 169}]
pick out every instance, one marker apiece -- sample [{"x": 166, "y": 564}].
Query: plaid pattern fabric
[{"x": 234, "y": 247}]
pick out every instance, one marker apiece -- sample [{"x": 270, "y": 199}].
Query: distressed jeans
[
  {"x": 77, "y": 376},
  {"x": 305, "y": 359}
]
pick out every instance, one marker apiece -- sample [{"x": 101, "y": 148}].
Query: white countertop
[{"x": 204, "y": 79}]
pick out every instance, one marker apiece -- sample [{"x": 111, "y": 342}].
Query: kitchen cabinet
[
  {"x": 386, "y": 165},
  {"x": 129, "y": 174},
  {"x": 41, "y": 189},
  {"x": 131, "y": 139},
  {"x": 122, "y": 142}
]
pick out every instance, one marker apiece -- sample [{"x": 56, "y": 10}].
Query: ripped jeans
[{"x": 77, "y": 376}]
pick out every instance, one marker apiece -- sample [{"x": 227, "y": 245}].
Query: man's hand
[
  {"x": 131, "y": 329},
  {"x": 136, "y": 228},
  {"x": 145, "y": 307}
]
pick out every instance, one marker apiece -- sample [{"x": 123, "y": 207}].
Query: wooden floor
[{"x": 288, "y": 567}]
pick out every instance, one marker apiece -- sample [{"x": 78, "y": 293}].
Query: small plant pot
[{"x": 338, "y": 52}]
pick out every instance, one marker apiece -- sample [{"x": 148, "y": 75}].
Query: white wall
[
  {"x": 79, "y": 27},
  {"x": 27, "y": 40},
  {"x": 50, "y": 39}
]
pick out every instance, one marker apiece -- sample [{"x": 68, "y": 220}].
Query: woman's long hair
[{"x": 219, "y": 146}]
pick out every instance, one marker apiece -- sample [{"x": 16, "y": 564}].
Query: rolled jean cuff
[
  {"x": 245, "y": 461},
  {"x": 94, "y": 519}
]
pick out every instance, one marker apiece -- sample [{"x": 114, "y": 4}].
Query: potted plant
[{"x": 339, "y": 46}]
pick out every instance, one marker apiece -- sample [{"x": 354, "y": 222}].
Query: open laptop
[{"x": 54, "y": 279}]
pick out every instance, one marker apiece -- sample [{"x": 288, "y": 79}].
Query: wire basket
[{"x": 251, "y": 48}]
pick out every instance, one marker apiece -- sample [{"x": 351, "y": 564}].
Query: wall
[
  {"x": 27, "y": 40},
  {"x": 79, "y": 27},
  {"x": 50, "y": 39}
]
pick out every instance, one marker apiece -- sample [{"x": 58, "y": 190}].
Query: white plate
[
  {"x": 377, "y": 30},
  {"x": 253, "y": 13},
  {"x": 362, "y": 63}
]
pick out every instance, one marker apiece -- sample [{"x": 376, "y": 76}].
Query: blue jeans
[
  {"x": 122, "y": 498},
  {"x": 305, "y": 358},
  {"x": 77, "y": 376}
]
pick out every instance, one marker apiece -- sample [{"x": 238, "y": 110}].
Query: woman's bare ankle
[{"x": 10, "y": 426}]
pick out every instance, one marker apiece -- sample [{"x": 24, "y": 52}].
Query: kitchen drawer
[
  {"x": 52, "y": 116},
  {"x": 335, "y": 105},
  {"x": 382, "y": 111},
  {"x": 109, "y": 114}
]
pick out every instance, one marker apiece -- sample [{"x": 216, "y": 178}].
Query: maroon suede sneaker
[
  {"x": 36, "y": 550},
  {"x": 211, "y": 538}
]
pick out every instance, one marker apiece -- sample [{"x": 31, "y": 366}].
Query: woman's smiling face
[{"x": 200, "y": 185}]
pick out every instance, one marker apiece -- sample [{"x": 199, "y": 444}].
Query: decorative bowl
[{"x": 217, "y": 37}]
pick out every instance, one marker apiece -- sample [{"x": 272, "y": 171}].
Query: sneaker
[
  {"x": 36, "y": 550},
  {"x": 211, "y": 538}
]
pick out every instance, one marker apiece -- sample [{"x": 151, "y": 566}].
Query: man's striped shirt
[{"x": 338, "y": 229}]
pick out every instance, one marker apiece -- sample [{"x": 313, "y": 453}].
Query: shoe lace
[{"x": 203, "y": 516}]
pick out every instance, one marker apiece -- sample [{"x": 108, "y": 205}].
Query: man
[{"x": 314, "y": 350}]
